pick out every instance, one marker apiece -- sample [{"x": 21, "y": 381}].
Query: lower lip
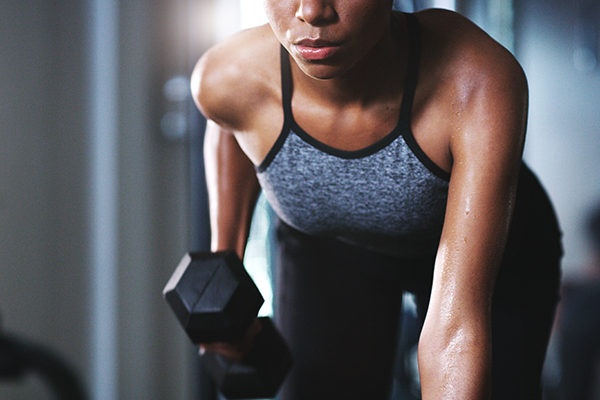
[{"x": 316, "y": 53}]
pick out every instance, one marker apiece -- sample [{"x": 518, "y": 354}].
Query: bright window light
[
  {"x": 447, "y": 4},
  {"x": 252, "y": 13}
]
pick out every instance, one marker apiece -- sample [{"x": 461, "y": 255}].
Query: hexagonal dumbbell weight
[{"x": 215, "y": 300}]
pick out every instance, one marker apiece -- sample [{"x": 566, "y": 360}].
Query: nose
[{"x": 316, "y": 12}]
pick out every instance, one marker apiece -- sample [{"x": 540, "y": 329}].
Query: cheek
[
  {"x": 366, "y": 30},
  {"x": 280, "y": 14},
  {"x": 366, "y": 18}
]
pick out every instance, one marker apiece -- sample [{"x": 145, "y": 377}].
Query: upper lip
[{"x": 314, "y": 43}]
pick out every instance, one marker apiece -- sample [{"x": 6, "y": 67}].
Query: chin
[{"x": 323, "y": 72}]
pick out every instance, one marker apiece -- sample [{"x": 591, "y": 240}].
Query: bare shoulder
[
  {"x": 458, "y": 51},
  {"x": 472, "y": 93},
  {"x": 236, "y": 76}
]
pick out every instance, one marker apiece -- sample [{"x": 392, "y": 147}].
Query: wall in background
[
  {"x": 47, "y": 202},
  {"x": 563, "y": 140},
  {"x": 43, "y": 196}
]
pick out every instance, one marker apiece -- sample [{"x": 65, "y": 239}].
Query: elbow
[
  {"x": 455, "y": 360},
  {"x": 448, "y": 342}
]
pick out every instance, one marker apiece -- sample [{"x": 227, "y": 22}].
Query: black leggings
[{"x": 339, "y": 308}]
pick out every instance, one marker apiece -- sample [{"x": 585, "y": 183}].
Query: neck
[{"x": 376, "y": 76}]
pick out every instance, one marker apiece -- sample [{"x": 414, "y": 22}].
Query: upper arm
[
  {"x": 230, "y": 98},
  {"x": 229, "y": 174},
  {"x": 486, "y": 146},
  {"x": 232, "y": 189}
]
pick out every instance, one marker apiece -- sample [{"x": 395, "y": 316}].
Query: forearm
[
  {"x": 455, "y": 363},
  {"x": 232, "y": 190}
]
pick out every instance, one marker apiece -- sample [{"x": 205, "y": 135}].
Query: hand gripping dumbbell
[{"x": 215, "y": 300}]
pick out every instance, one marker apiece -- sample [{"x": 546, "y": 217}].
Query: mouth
[{"x": 315, "y": 49}]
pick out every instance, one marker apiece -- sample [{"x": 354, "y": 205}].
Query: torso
[{"x": 385, "y": 195}]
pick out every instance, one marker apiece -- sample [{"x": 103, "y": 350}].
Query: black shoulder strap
[
  {"x": 286, "y": 100},
  {"x": 412, "y": 72},
  {"x": 286, "y": 82}
]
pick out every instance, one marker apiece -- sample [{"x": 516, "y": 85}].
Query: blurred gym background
[{"x": 101, "y": 179}]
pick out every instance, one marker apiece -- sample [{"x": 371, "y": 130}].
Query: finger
[{"x": 233, "y": 351}]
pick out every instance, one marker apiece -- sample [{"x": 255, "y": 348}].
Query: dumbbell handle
[
  {"x": 234, "y": 349},
  {"x": 248, "y": 378}
]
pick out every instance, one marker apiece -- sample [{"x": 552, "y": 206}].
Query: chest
[{"x": 355, "y": 195}]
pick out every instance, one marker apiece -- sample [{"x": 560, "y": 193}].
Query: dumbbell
[{"x": 215, "y": 300}]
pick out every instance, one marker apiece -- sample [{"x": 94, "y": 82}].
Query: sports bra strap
[
  {"x": 286, "y": 83},
  {"x": 412, "y": 71}
]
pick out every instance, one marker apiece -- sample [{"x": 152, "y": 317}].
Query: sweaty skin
[{"x": 469, "y": 117}]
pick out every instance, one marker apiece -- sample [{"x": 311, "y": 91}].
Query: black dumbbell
[{"x": 215, "y": 300}]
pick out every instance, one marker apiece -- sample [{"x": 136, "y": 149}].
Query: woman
[{"x": 390, "y": 147}]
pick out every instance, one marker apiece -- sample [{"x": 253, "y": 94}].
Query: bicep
[{"x": 486, "y": 152}]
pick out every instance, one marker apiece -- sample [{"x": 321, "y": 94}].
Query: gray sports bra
[{"x": 389, "y": 197}]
